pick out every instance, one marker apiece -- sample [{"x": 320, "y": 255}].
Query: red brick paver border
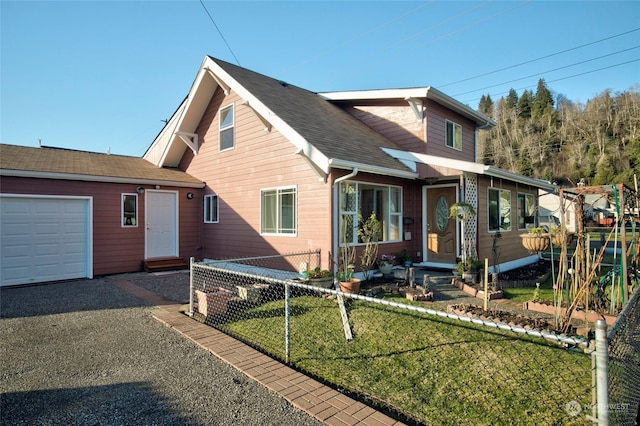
[{"x": 320, "y": 401}]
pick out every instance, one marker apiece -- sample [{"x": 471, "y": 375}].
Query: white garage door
[{"x": 44, "y": 239}]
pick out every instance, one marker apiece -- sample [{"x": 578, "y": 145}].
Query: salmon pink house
[
  {"x": 281, "y": 166},
  {"x": 249, "y": 165}
]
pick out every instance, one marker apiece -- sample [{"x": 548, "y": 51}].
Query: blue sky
[{"x": 94, "y": 75}]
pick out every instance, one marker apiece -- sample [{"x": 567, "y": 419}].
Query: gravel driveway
[{"x": 86, "y": 352}]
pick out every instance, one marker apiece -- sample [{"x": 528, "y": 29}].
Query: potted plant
[
  {"x": 385, "y": 263},
  {"x": 404, "y": 259},
  {"x": 470, "y": 269},
  {"x": 558, "y": 237},
  {"x": 369, "y": 233},
  {"x": 346, "y": 260},
  {"x": 320, "y": 277},
  {"x": 536, "y": 240}
]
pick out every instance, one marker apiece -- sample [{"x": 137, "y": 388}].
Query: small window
[
  {"x": 526, "y": 211},
  {"x": 210, "y": 209},
  {"x": 499, "y": 209},
  {"x": 278, "y": 211},
  {"x": 129, "y": 210},
  {"x": 454, "y": 135},
  {"x": 226, "y": 128}
]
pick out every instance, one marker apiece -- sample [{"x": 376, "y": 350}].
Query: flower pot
[
  {"x": 385, "y": 268},
  {"x": 251, "y": 293},
  {"x": 556, "y": 239},
  {"x": 321, "y": 282},
  {"x": 352, "y": 286},
  {"x": 535, "y": 242},
  {"x": 214, "y": 302}
]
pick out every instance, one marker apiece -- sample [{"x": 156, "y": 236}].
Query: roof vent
[{"x": 283, "y": 83}]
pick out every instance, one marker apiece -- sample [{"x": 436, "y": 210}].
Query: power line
[
  {"x": 548, "y": 71},
  {"x": 540, "y": 58},
  {"x": 563, "y": 78},
  {"x": 220, "y": 32}
]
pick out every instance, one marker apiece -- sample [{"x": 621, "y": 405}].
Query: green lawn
[{"x": 433, "y": 370}]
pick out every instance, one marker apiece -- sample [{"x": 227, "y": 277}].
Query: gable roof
[
  {"x": 57, "y": 163},
  {"x": 323, "y": 132}
]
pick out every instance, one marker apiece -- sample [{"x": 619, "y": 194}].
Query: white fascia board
[
  {"x": 367, "y": 168},
  {"x": 417, "y": 92},
  {"x": 469, "y": 167},
  {"x": 321, "y": 161},
  {"x": 91, "y": 178}
]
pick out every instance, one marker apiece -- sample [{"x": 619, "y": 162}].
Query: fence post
[
  {"x": 287, "y": 322},
  {"x": 602, "y": 372},
  {"x": 191, "y": 262}
]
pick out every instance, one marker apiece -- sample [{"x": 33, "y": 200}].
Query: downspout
[{"x": 335, "y": 221}]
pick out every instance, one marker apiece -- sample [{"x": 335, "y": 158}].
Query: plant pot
[
  {"x": 535, "y": 242},
  {"x": 321, "y": 282},
  {"x": 251, "y": 293},
  {"x": 214, "y": 302},
  {"x": 385, "y": 268},
  {"x": 352, "y": 286},
  {"x": 556, "y": 239}
]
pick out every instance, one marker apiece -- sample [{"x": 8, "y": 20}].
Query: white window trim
[
  {"x": 355, "y": 213},
  {"x": 232, "y": 126},
  {"x": 446, "y": 121},
  {"x": 295, "y": 207},
  {"x": 122, "y": 224},
  {"x": 500, "y": 190},
  {"x": 217, "y": 209},
  {"x": 518, "y": 215}
]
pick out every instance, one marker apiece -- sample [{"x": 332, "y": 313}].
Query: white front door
[{"x": 161, "y": 224}]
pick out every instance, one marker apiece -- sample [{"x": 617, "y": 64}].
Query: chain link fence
[
  {"x": 624, "y": 365},
  {"x": 418, "y": 364}
]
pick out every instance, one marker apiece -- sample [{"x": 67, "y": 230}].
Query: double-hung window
[
  {"x": 211, "y": 208},
  {"x": 499, "y": 209},
  {"x": 279, "y": 211},
  {"x": 227, "y": 133},
  {"x": 526, "y": 209},
  {"x": 453, "y": 135},
  {"x": 358, "y": 200}
]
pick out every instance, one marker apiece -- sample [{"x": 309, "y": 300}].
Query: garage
[{"x": 44, "y": 238}]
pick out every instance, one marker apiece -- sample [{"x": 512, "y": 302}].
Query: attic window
[
  {"x": 454, "y": 135},
  {"x": 227, "y": 134}
]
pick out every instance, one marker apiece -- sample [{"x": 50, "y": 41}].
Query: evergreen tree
[
  {"x": 543, "y": 100},
  {"x": 486, "y": 106},
  {"x": 525, "y": 168},
  {"x": 524, "y": 105},
  {"x": 512, "y": 100}
]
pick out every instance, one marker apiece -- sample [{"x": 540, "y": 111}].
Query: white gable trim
[{"x": 468, "y": 167}]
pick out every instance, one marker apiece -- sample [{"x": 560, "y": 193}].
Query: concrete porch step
[{"x": 165, "y": 264}]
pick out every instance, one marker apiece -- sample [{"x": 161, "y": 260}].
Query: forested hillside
[{"x": 537, "y": 136}]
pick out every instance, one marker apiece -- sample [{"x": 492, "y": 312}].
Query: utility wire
[
  {"x": 540, "y": 58},
  {"x": 547, "y": 71},
  {"x": 220, "y": 32},
  {"x": 562, "y": 78}
]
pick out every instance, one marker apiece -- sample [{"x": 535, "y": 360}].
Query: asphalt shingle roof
[
  {"x": 327, "y": 127},
  {"x": 66, "y": 161}
]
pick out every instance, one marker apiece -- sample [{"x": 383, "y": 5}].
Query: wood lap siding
[
  {"x": 259, "y": 160},
  {"x": 395, "y": 121},
  {"x": 115, "y": 249},
  {"x": 510, "y": 243},
  {"x": 436, "y": 116}
]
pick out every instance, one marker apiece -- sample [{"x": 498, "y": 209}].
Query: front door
[
  {"x": 161, "y": 224},
  {"x": 440, "y": 232}
]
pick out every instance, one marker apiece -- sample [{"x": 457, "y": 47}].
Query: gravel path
[{"x": 85, "y": 352}]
